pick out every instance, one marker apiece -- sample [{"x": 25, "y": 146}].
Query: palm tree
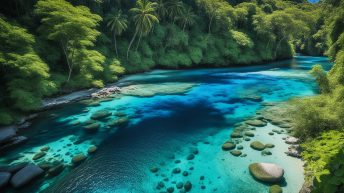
[
  {"x": 118, "y": 23},
  {"x": 161, "y": 9},
  {"x": 188, "y": 18},
  {"x": 144, "y": 17},
  {"x": 175, "y": 8}
]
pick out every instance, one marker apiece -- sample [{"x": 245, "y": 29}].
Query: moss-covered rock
[
  {"x": 247, "y": 139},
  {"x": 228, "y": 146},
  {"x": 120, "y": 114},
  {"x": 249, "y": 134},
  {"x": 148, "y": 90},
  {"x": 236, "y": 152},
  {"x": 271, "y": 133},
  {"x": 269, "y": 145},
  {"x": 240, "y": 147},
  {"x": 275, "y": 189},
  {"x": 92, "y": 127},
  {"x": 92, "y": 149},
  {"x": 122, "y": 122},
  {"x": 45, "y": 148},
  {"x": 266, "y": 172},
  {"x": 236, "y": 135},
  {"x": 77, "y": 159},
  {"x": 39, "y": 155},
  {"x": 266, "y": 152},
  {"x": 256, "y": 123},
  {"x": 100, "y": 114},
  {"x": 257, "y": 145},
  {"x": 90, "y": 121}
]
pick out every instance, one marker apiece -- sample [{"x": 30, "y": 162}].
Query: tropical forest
[{"x": 172, "y": 96}]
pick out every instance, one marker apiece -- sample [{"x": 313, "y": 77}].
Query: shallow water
[{"x": 166, "y": 124}]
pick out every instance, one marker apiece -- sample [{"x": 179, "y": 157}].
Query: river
[{"x": 171, "y": 113}]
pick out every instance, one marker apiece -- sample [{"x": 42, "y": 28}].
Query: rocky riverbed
[{"x": 199, "y": 136}]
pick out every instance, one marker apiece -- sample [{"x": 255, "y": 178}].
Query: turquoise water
[{"x": 171, "y": 114}]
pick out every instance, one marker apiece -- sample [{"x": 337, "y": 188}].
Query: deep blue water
[{"x": 198, "y": 112}]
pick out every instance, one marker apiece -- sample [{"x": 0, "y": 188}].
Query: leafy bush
[{"x": 324, "y": 161}]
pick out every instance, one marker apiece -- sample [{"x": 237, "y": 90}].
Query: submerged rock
[
  {"x": 56, "y": 170},
  {"x": 120, "y": 114},
  {"x": 176, "y": 170},
  {"x": 122, "y": 121},
  {"x": 236, "y": 135},
  {"x": 170, "y": 189},
  {"x": 160, "y": 185},
  {"x": 236, "y": 152},
  {"x": 266, "y": 172},
  {"x": 92, "y": 127},
  {"x": 4, "y": 179},
  {"x": 187, "y": 186},
  {"x": 275, "y": 189},
  {"x": 78, "y": 158},
  {"x": 39, "y": 155},
  {"x": 257, "y": 145},
  {"x": 92, "y": 149},
  {"x": 26, "y": 175},
  {"x": 228, "y": 146},
  {"x": 256, "y": 123},
  {"x": 269, "y": 145},
  {"x": 45, "y": 148},
  {"x": 247, "y": 139},
  {"x": 266, "y": 152},
  {"x": 249, "y": 134},
  {"x": 154, "y": 169},
  {"x": 148, "y": 90},
  {"x": 190, "y": 157},
  {"x": 179, "y": 185},
  {"x": 100, "y": 114},
  {"x": 90, "y": 121}
]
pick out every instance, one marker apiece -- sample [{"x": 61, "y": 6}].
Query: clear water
[{"x": 167, "y": 127}]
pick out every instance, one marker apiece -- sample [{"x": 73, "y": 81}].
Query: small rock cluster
[{"x": 105, "y": 92}]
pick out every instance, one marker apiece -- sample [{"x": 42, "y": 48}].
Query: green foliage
[
  {"x": 20, "y": 63},
  {"x": 322, "y": 80},
  {"x": 112, "y": 70},
  {"x": 324, "y": 158},
  {"x": 5, "y": 117},
  {"x": 242, "y": 39},
  {"x": 74, "y": 30}
]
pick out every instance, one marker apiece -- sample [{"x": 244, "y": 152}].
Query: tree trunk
[
  {"x": 138, "y": 43},
  {"x": 278, "y": 45},
  {"x": 114, "y": 37},
  {"x": 69, "y": 63},
  {"x": 266, "y": 49},
  {"x": 210, "y": 22},
  {"x": 131, "y": 43}
]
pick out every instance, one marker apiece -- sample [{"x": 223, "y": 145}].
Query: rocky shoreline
[{"x": 276, "y": 114}]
